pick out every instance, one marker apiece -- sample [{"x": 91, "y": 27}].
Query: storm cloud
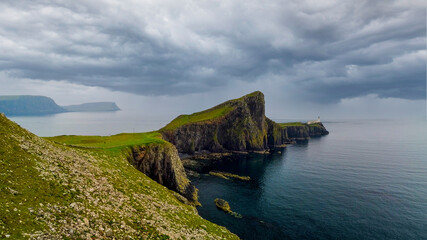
[{"x": 328, "y": 50}]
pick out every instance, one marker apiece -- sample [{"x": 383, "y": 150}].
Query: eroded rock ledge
[{"x": 161, "y": 162}]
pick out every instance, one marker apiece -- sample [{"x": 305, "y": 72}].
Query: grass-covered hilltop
[
  {"x": 53, "y": 191},
  {"x": 236, "y": 125},
  {"x": 127, "y": 186}
]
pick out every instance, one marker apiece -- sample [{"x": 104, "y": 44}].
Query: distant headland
[{"x": 27, "y": 105}]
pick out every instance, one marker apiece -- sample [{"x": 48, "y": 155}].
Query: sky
[{"x": 336, "y": 59}]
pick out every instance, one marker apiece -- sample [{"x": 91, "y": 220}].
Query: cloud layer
[{"x": 325, "y": 50}]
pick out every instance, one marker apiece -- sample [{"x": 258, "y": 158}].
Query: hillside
[
  {"x": 28, "y": 105},
  {"x": 93, "y": 107},
  {"x": 53, "y": 191},
  {"x": 147, "y": 152}
]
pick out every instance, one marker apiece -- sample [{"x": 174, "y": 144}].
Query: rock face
[
  {"x": 242, "y": 126},
  {"x": 276, "y": 134},
  {"x": 305, "y": 131},
  {"x": 161, "y": 163}
]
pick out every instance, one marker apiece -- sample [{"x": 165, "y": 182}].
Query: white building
[{"x": 314, "y": 121}]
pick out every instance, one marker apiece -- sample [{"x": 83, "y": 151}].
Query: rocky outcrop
[
  {"x": 243, "y": 128},
  {"x": 317, "y": 130},
  {"x": 305, "y": 131},
  {"x": 160, "y": 162},
  {"x": 276, "y": 134}
]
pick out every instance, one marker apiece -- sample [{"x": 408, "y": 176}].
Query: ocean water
[
  {"x": 90, "y": 123},
  {"x": 366, "y": 180}
]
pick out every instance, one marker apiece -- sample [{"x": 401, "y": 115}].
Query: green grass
[
  {"x": 112, "y": 143},
  {"x": 207, "y": 115},
  {"x": 38, "y": 175},
  {"x": 21, "y": 185},
  {"x": 292, "y": 124}
]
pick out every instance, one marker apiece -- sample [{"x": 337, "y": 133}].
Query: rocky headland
[{"x": 238, "y": 125}]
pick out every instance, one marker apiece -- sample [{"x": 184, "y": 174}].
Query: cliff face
[
  {"x": 305, "y": 131},
  {"x": 160, "y": 162},
  {"x": 279, "y": 133},
  {"x": 276, "y": 134},
  {"x": 242, "y": 128},
  {"x": 235, "y": 125}
]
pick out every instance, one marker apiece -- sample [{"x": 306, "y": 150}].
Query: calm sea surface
[{"x": 366, "y": 180}]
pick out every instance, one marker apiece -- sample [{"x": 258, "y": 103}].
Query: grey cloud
[{"x": 170, "y": 48}]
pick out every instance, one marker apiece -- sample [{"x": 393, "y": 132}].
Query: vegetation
[
  {"x": 114, "y": 143},
  {"x": 207, "y": 115},
  {"x": 227, "y": 175},
  {"x": 52, "y": 191},
  {"x": 292, "y": 124}
]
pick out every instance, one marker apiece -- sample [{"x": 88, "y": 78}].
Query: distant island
[
  {"x": 93, "y": 107},
  {"x": 40, "y": 105}
]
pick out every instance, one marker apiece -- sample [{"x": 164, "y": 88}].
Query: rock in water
[{"x": 223, "y": 205}]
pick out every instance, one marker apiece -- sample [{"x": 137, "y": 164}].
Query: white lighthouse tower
[{"x": 314, "y": 121}]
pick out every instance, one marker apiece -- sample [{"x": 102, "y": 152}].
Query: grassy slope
[
  {"x": 292, "y": 124},
  {"x": 206, "y": 115},
  {"x": 54, "y": 191},
  {"x": 114, "y": 143}
]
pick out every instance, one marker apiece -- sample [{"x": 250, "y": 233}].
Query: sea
[{"x": 367, "y": 179}]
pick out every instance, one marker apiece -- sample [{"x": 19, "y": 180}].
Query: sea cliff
[
  {"x": 238, "y": 125},
  {"x": 160, "y": 162}
]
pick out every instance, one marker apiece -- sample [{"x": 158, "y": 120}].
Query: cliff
[
  {"x": 28, "y": 105},
  {"x": 161, "y": 163},
  {"x": 235, "y": 125},
  {"x": 303, "y": 131},
  {"x": 58, "y": 191}
]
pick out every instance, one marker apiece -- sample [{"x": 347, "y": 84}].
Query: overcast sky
[{"x": 337, "y": 59}]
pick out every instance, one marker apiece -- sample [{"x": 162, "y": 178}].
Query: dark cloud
[{"x": 330, "y": 50}]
